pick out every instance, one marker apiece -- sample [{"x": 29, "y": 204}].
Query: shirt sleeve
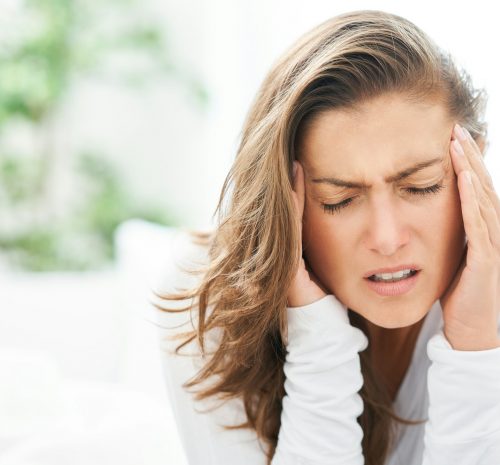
[
  {"x": 464, "y": 405},
  {"x": 323, "y": 378},
  {"x": 318, "y": 421}
]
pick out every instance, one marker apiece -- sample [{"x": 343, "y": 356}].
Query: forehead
[{"x": 383, "y": 134}]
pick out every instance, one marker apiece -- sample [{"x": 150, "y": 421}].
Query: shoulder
[
  {"x": 200, "y": 423},
  {"x": 182, "y": 257}
]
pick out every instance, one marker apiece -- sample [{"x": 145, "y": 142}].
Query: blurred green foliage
[{"x": 57, "y": 42}]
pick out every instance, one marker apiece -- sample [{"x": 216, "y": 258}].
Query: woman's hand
[
  {"x": 305, "y": 288},
  {"x": 471, "y": 303}
]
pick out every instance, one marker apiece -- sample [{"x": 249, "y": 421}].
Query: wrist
[
  {"x": 304, "y": 299},
  {"x": 473, "y": 343}
]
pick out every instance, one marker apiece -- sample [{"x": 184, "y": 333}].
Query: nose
[{"x": 387, "y": 227}]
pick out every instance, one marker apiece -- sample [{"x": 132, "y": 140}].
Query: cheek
[
  {"x": 437, "y": 229},
  {"x": 323, "y": 242}
]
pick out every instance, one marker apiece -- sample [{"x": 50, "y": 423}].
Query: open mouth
[{"x": 393, "y": 280}]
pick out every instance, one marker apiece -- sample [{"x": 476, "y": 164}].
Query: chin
[
  {"x": 390, "y": 319},
  {"x": 391, "y": 314}
]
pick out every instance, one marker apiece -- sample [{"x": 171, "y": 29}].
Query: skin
[{"x": 385, "y": 225}]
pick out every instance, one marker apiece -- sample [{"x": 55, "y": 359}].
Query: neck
[
  {"x": 392, "y": 340},
  {"x": 390, "y": 351}
]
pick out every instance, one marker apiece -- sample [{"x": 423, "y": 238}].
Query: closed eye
[{"x": 332, "y": 208}]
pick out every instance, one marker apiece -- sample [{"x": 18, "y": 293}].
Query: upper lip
[{"x": 394, "y": 269}]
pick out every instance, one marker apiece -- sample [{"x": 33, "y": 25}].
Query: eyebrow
[{"x": 392, "y": 178}]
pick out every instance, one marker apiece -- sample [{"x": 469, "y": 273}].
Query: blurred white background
[{"x": 80, "y": 369}]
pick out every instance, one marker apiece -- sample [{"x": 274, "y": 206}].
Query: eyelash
[{"x": 332, "y": 208}]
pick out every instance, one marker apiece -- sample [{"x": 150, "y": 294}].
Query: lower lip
[{"x": 396, "y": 288}]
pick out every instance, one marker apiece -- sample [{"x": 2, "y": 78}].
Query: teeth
[{"x": 390, "y": 276}]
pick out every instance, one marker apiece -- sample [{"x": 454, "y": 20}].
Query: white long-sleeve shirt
[{"x": 458, "y": 391}]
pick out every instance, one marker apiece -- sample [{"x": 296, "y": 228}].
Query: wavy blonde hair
[{"x": 253, "y": 252}]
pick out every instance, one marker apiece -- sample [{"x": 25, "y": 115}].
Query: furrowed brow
[{"x": 392, "y": 178}]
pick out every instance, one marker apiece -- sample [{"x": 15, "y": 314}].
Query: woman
[{"x": 350, "y": 293}]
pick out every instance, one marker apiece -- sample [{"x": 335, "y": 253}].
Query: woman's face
[{"x": 385, "y": 224}]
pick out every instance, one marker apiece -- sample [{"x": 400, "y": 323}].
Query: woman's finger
[
  {"x": 299, "y": 187},
  {"x": 477, "y": 162},
  {"x": 299, "y": 195},
  {"x": 488, "y": 212},
  {"x": 481, "y": 180},
  {"x": 475, "y": 225}
]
